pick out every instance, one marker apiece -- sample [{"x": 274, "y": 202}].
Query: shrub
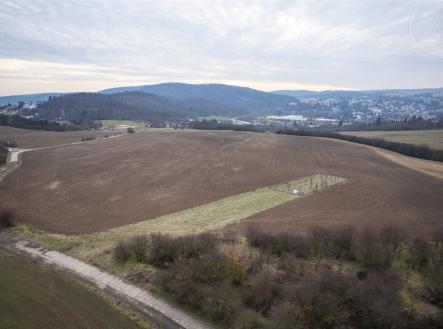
[
  {"x": 438, "y": 237},
  {"x": 391, "y": 236},
  {"x": 163, "y": 249},
  {"x": 261, "y": 291},
  {"x": 287, "y": 315},
  {"x": 371, "y": 252},
  {"x": 420, "y": 254},
  {"x": 6, "y": 218},
  {"x": 3, "y": 153},
  {"x": 138, "y": 246},
  {"x": 222, "y": 303},
  {"x": 249, "y": 320},
  {"x": 258, "y": 238},
  {"x": 277, "y": 244},
  {"x": 342, "y": 243},
  {"x": 238, "y": 264},
  {"x": 210, "y": 268},
  {"x": 197, "y": 245},
  {"x": 434, "y": 284},
  {"x": 88, "y": 139},
  {"x": 319, "y": 240},
  {"x": 120, "y": 253},
  {"x": 377, "y": 302}
]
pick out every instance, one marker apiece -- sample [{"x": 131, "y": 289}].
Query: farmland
[
  {"x": 431, "y": 138},
  {"x": 211, "y": 216},
  {"x": 94, "y": 187},
  {"x": 118, "y": 124},
  {"x": 28, "y": 289},
  {"x": 39, "y": 138}
]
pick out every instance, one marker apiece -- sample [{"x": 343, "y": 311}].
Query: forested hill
[
  {"x": 128, "y": 105},
  {"x": 28, "y": 98},
  {"x": 249, "y": 99}
]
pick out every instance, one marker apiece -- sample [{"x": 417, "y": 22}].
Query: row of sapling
[{"x": 270, "y": 282}]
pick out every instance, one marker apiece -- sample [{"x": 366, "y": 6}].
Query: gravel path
[{"x": 155, "y": 309}]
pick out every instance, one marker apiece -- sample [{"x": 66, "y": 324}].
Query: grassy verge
[{"x": 33, "y": 296}]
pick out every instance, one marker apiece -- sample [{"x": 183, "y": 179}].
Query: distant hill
[
  {"x": 131, "y": 105},
  {"x": 14, "y": 99},
  {"x": 236, "y": 97},
  {"x": 344, "y": 94}
]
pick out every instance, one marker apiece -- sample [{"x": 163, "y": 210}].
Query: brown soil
[
  {"x": 92, "y": 187},
  {"x": 27, "y": 138}
]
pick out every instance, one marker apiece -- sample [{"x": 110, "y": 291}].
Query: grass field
[
  {"x": 33, "y": 296},
  {"x": 112, "y": 124},
  {"x": 95, "y": 187},
  {"x": 431, "y": 138}
]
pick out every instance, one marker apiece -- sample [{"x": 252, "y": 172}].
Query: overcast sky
[{"x": 89, "y": 45}]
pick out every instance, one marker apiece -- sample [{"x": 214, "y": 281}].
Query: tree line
[
  {"x": 17, "y": 121},
  {"x": 286, "y": 280}
]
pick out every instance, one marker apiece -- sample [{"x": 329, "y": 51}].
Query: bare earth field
[
  {"x": 431, "y": 138},
  {"x": 96, "y": 186},
  {"x": 26, "y": 138}
]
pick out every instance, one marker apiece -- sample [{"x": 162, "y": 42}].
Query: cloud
[{"x": 90, "y": 45}]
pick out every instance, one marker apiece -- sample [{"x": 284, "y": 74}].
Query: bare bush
[
  {"x": 371, "y": 252},
  {"x": 287, "y": 315},
  {"x": 438, "y": 237},
  {"x": 262, "y": 289},
  {"x": 163, "y": 249},
  {"x": 249, "y": 320},
  {"x": 392, "y": 236},
  {"x": 279, "y": 243},
  {"x": 6, "y": 218},
  {"x": 120, "y": 253},
  {"x": 420, "y": 254},
  {"x": 138, "y": 246}
]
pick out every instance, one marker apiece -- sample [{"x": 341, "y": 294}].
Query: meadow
[{"x": 431, "y": 138}]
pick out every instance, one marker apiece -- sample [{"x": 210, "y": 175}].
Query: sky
[{"x": 90, "y": 45}]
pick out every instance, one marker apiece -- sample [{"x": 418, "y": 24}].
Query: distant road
[
  {"x": 152, "y": 307},
  {"x": 15, "y": 152}
]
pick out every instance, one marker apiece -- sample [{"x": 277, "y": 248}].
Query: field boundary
[{"x": 154, "y": 308}]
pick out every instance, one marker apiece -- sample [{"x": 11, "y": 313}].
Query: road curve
[{"x": 153, "y": 308}]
